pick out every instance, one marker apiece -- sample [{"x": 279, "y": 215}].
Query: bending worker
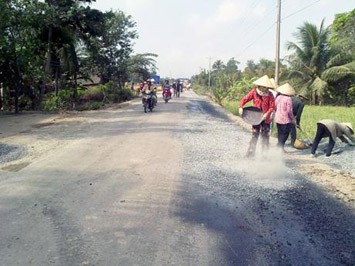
[{"x": 332, "y": 130}]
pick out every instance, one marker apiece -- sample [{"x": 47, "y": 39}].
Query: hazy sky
[{"x": 186, "y": 33}]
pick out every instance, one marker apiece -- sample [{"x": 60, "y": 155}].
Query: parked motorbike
[
  {"x": 166, "y": 95},
  {"x": 148, "y": 101}
]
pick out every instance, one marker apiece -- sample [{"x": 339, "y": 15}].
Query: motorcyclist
[
  {"x": 166, "y": 88},
  {"x": 152, "y": 89}
]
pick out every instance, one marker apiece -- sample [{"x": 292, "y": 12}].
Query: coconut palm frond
[
  {"x": 296, "y": 74},
  {"x": 351, "y": 66},
  {"x": 318, "y": 86},
  {"x": 336, "y": 60},
  {"x": 337, "y": 73}
]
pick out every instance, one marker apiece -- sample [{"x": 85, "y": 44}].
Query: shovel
[{"x": 307, "y": 136}]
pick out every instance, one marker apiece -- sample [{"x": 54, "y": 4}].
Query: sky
[{"x": 190, "y": 35}]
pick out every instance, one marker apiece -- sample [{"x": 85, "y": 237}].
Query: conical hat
[
  {"x": 273, "y": 83},
  {"x": 286, "y": 89},
  {"x": 302, "y": 95},
  {"x": 263, "y": 81},
  {"x": 349, "y": 126}
]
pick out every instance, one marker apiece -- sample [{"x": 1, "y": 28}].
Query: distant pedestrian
[
  {"x": 332, "y": 129},
  {"x": 284, "y": 117}
]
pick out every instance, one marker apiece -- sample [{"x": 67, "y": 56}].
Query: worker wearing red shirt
[{"x": 264, "y": 100}]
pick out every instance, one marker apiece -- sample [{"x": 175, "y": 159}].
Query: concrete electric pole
[{"x": 277, "y": 59}]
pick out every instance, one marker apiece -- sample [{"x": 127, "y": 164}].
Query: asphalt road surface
[{"x": 170, "y": 187}]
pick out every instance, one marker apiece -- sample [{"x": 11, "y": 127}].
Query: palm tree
[
  {"x": 309, "y": 59},
  {"x": 340, "y": 72}
]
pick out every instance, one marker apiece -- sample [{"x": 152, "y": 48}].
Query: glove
[{"x": 240, "y": 111}]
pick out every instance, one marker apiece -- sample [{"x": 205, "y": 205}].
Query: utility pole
[
  {"x": 277, "y": 59},
  {"x": 209, "y": 73}
]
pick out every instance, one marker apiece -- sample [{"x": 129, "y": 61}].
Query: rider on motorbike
[
  {"x": 152, "y": 89},
  {"x": 166, "y": 88}
]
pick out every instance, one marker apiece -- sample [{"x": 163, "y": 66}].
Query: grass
[{"x": 311, "y": 114}]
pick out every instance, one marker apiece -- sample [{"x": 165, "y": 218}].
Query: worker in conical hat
[
  {"x": 284, "y": 117},
  {"x": 333, "y": 130},
  {"x": 264, "y": 100}
]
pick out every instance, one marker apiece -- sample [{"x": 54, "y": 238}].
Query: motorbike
[
  {"x": 166, "y": 94},
  {"x": 148, "y": 101}
]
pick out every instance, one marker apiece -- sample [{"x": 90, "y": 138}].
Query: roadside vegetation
[
  {"x": 63, "y": 54},
  {"x": 321, "y": 65}
]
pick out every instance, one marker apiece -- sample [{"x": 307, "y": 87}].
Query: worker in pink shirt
[{"x": 284, "y": 117}]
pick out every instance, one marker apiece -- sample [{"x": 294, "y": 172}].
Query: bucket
[{"x": 301, "y": 144}]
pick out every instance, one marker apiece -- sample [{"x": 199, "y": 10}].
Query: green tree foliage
[
  {"x": 21, "y": 52},
  {"x": 322, "y": 62},
  {"x": 340, "y": 72},
  {"x": 141, "y": 66},
  {"x": 309, "y": 60},
  {"x": 47, "y": 46}
]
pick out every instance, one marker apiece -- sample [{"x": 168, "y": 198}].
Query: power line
[
  {"x": 268, "y": 29},
  {"x": 245, "y": 32},
  {"x": 298, "y": 11},
  {"x": 250, "y": 28},
  {"x": 256, "y": 40},
  {"x": 246, "y": 17}
]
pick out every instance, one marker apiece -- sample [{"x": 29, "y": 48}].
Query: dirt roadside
[{"x": 16, "y": 130}]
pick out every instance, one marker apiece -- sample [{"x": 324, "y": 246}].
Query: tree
[
  {"x": 250, "y": 69},
  {"x": 341, "y": 66},
  {"x": 265, "y": 67},
  {"x": 110, "y": 52},
  {"x": 232, "y": 66},
  {"x": 20, "y": 48},
  {"x": 68, "y": 22},
  {"x": 309, "y": 59},
  {"x": 140, "y": 66}
]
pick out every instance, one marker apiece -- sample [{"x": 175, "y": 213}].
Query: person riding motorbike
[
  {"x": 151, "y": 89},
  {"x": 166, "y": 89}
]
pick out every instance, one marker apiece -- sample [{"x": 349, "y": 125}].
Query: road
[{"x": 171, "y": 187}]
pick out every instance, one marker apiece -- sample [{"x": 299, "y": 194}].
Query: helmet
[{"x": 152, "y": 80}]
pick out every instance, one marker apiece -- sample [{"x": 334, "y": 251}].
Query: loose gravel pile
[
  {"x": 342, "y": 159},
  {"x": 10, "y": 153}
]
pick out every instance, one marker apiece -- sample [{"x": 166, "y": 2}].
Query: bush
[
  {"x": 54, "y": 103},
  {"x": 51, "y": 103},
  {"x": 95, "y": 105},
  {"x": 94, "y": 94},
  {"x": 114, "y": 93},
  {"x": 25, "y": 102}
]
